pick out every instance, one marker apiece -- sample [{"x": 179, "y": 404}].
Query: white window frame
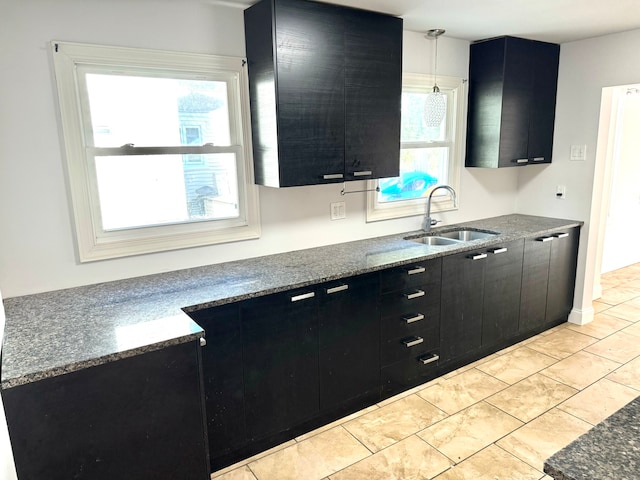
[
  {"x": 455, "y": 88},
  {"x": 95, "y": 243}
]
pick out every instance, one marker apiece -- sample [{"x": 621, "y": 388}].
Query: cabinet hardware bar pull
[
  {"x": 414, "y": 270},
  {"x": 416, "y": 294},
  {"x": 304, "y": 296},
  {"x": 560, "y": 235},
  {"x": 522, "y": 160},
  {"x": 332, "y": 176},
  {"x": 362, "y": 173},
  {"x": 415, "y": 318},
  {"x": 478, "y": 256},
  {"x": 496, "y": 251},
  {"x": 538, "y": 159},
  {"x": 412, "y": 341},
  {"x": 339, "y": 288},
  {"x": 544, "y": 239},
  {"x": 426, "y": 359},
  {"x": 203, "y": 342}
]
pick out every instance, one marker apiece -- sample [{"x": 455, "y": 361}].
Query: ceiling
[{"x": 556, "y": 21}]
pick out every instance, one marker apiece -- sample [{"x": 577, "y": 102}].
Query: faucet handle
[{"x": 434, "y": 222}]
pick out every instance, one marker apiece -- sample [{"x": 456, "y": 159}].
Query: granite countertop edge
[{"x": 82, "y": 332}]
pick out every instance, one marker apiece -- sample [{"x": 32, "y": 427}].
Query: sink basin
[
  {"x": 452, "y": 237},
  {"x": 467, "y": 235},
  {"x": 435, "y": 240}
]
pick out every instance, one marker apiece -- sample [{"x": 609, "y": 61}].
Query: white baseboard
[{"x": 581, "y": 316}]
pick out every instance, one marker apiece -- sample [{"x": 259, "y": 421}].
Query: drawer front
[
  {"x": 411, "y": 300},
  {"x": 425, "y": 273},
  {"x": 417, "y": 317},
  {"x": 395, "y": 349},
  {"x": 409, "y": 372}
]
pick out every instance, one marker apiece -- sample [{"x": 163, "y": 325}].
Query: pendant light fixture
[{"x": 435, "y": 106}]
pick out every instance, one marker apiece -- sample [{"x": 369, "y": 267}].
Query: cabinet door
[
  {"x": 295, "y": 51},
  {"x": 544, "y": 61},
  {"x": 223, "y": 383},
  {"x": 136, "y": 418},
  {"x": 373, "y": 89},
  {"x": 280, "y": 351},
  {"x": 535, "y": 282},
  {"x": 516, "y": 103},
  {"x": 562, "y": 274},
  {"x": 461, "y": 305},
  {"x": 502, "y": 285},
  {"x": 349, "y": 339}
]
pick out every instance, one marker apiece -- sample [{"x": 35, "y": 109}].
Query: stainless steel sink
[
  {"x": 467, "y": 235},
  {"x": 435, "y": 240},
  {"x": 452, "y": 237}
]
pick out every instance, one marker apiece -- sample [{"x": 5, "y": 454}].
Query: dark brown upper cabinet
[
  {"x": 325, "y": 85},
  {"x": 512, "y": 102}
]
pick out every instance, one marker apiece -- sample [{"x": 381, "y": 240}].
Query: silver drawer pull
[
  {"x": 561, "y": 235},
  {"x": 538, "y": 159},
  {"x": 304, "y": 296},
  {"x": 363, "y": 173},
  {"x": 412, "y": 341},
  {"x": 339, "y": 288},
  {"x": 477, "y": 256},
  {"x": 522, "y": 160},
  {"x": 496, "y": 251},
  {"x": 332, "y": 176},
  {"x": 414, "y": 318},
  {"x": 544, "y": 239},
  {"x": 416, "y": 294},
  {"x": 415, "y": 270},
  {"x": 426, "y": 359}
]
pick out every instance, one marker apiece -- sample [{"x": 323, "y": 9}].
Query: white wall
[
  {"x": 586, "y": 67},
  {"x": 37, "y": 250}
]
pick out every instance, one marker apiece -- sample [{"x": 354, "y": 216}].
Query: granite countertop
[
  {"x": 57, "y": 332},
  {"x": 609, "y": 451}
]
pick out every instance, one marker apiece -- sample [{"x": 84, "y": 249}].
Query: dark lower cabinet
[
  {"x": 349, "y": 341},
  {"x": 280, "y": 359},
  {"x": 223, "y": 380},
  {"x": 461, "y": 305},
  {"x": 548, "y": 279},
  {"x": 502, "y": 285},
  {"x": 136, "y": 418}
]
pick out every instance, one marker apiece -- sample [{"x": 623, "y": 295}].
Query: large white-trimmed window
[
  {"x": 429, "y": 155},
  {"x": 157, "y": 147}
]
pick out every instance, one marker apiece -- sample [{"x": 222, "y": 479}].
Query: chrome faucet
[{"x": 428, "y": 221}]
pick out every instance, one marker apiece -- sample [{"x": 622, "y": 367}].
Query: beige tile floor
[{"x": 498, "y": 418}]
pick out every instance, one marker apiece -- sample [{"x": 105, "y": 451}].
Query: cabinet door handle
[
  {"x": 538, "y": 159},
  {"x": 413, "y": 318},
  {"x": 339, "y": 288},
  {"x": 415, "y": 270},
  {"x": 430, "y": 358},
  {"x": 362, "y": 173},
  {"x": 416, "y": 294},
  {"x": 332, "y": 176},
  {"x": 561, "y": 235},
  {"x": 203, "y": 342},
  {"x": 497, "y": 251},
  {"x": 477, "y": 256},
  {"x": 304, "y": 296},
  {"x": 544, "y": 239},
  {"x": 522, "y": 160},
  {"x": 412, "y": 341}
]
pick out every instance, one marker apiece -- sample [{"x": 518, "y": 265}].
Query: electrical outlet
[
  {"x": 561, "y": 192},
  {"x": 338, "y": 210}
]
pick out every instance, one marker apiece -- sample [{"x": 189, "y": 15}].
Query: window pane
[
  {"x": 151, "y": 111},
  {"x": 141, "y": 190},
  {"x": 413, "y": 126},
  {"x": 420, "y": 169}
]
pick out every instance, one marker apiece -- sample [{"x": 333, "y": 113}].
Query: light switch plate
[
  {"x": 338, "y": 210},
  {"x": 578, "y": 153}
]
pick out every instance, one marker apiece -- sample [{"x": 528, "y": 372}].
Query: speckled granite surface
[
  {"x": 609, "y": 451},
  {"x": 57, "y": 332}
]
